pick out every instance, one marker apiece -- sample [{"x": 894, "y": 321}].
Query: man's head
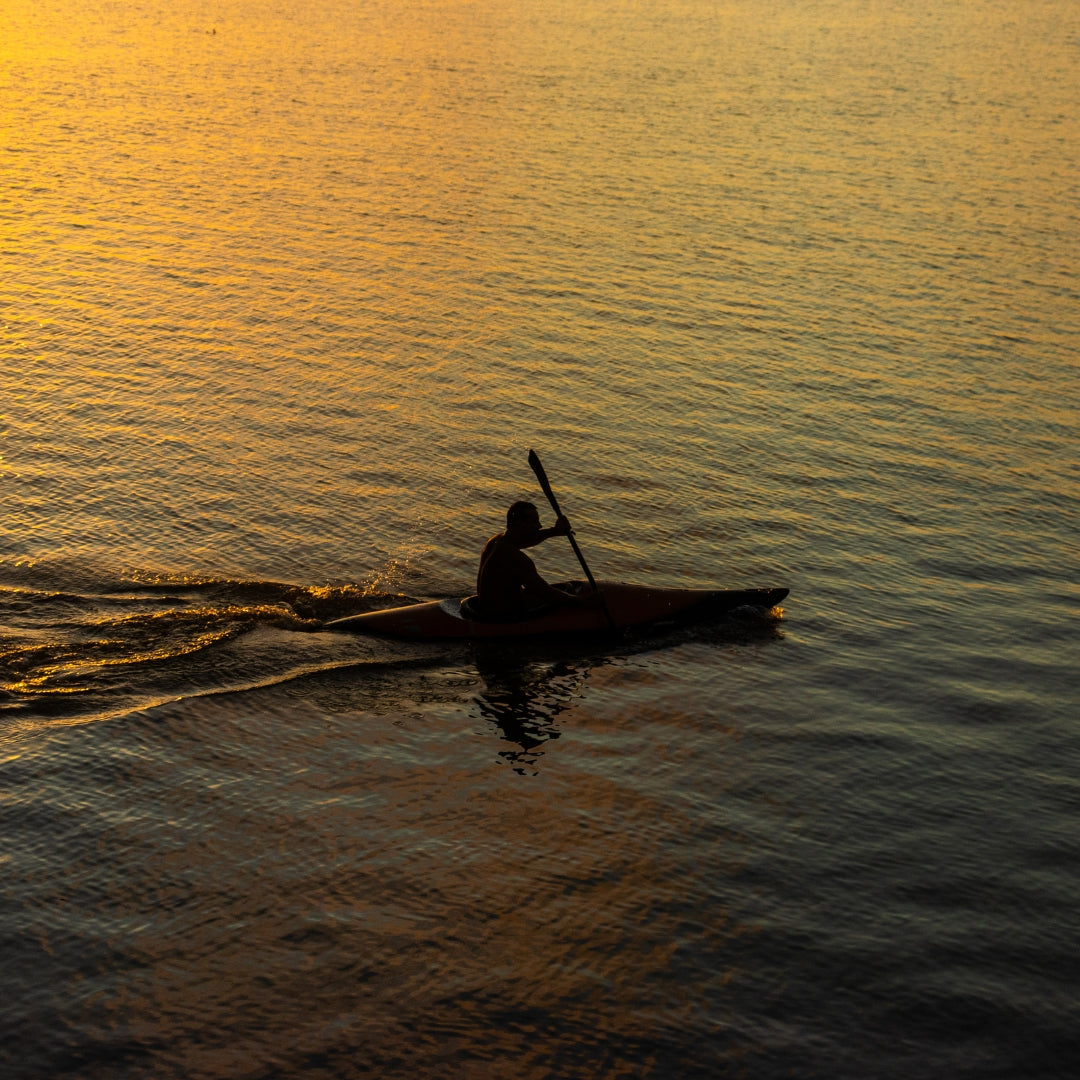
[
  {"x": 522, "y": 517},
  {"x": 520, "y": 513}
]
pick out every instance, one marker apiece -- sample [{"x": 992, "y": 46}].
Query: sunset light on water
[{"x": 784, "y": 295}]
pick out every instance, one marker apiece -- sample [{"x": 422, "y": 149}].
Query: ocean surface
[{"x": 783, "y": 293}]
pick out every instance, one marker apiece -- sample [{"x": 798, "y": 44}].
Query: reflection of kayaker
[{"x": 507, "y": 584}]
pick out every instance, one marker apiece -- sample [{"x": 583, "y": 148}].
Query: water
[{"x": 783, "y": 294}]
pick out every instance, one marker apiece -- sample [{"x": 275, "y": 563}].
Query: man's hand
[{"x": 562, "y": 526}]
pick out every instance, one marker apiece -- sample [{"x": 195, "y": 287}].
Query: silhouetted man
[{"x": 507, "y": 582}]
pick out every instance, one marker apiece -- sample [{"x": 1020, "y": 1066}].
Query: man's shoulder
[
  {"x": 499, "y": 551},
  {"x": 496, "y": 543}
]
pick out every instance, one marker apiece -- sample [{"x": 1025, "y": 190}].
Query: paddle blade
[{"x": 541, "y": 476}]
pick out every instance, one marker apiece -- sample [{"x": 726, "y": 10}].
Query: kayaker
[{"x": 507, "y": 582}]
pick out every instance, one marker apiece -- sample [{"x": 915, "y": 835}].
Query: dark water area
[
  {"x": 784, "y": 295},
  {"x": 642, "y": 856}
]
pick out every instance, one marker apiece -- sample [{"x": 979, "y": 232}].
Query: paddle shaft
[{"x": 545, "y": 484}]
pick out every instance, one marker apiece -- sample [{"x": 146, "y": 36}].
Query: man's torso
[{"x": 505, "y": 575}]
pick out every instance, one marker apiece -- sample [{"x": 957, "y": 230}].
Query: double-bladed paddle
[{"x": 545, "y": 484}]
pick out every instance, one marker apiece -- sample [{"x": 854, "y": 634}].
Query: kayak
[{"x": 630, "y": 605}]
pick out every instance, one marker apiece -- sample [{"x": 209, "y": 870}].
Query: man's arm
[
  {"x": 560, "y": 528},
  {"x": 536, "y": 588}
]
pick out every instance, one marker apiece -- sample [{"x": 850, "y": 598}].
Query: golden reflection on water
[{"x": 450, "y": 215}]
